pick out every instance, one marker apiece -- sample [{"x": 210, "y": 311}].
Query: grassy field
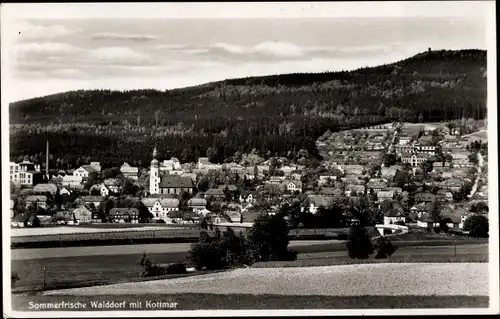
[
  {"x": 196, "y": 301},
  {"x": 65, "y": 272},
  {"x": 395, "y": 279}
]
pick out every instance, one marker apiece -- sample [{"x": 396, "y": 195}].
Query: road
[
  {"x": 480, "y": 161},
  {"x": 39, "y": 253}
]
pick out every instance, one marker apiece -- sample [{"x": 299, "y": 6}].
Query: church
[{"x": 168, "y": 184}]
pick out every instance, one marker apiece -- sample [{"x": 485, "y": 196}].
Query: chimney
[{"x": 47, "y": 163}]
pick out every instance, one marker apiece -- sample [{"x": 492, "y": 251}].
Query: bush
[
  {"x": 387, "y": 231},
  {"x": 384, "y": 248},
  {"x": 207, "y": 255},
  {"x": 269, "y": 238},
  {"x": 150, "y": 270},
  {"x": 176, "y": 268},
  {"x": 359, "y": 245},
  {"x": 477, "y": 226},
  {"x": 289, "y": 255},
  {"x": 14, "y": 278},
  {"x": 159, "y": 221}
]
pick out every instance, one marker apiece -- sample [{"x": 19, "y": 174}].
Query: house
[
  {"x": 172, "y": 164},
  {"x": 353, "y": 169},
  {"x": 25, "y": 220},
  {"x": 197, "y": 204},
  {"x": 325, "y": 179},
  {"x": 38, "y": 201},
  {"x": 247, "y": 197},
  {"x": 174, "y": 184},
  {"x": 72, "y": 181},
  {"x": 329, "y": 191},
  {"x": 65, "y": 218},
  {"x": 403, "y": 140},
  {"x": 389, "y": 204},
  {"x": 64, "y": 191},
  {"x": 424, "y": 197},
  {"x": 129, "y": 171},
  {"x": 82, "y": 214},
  {"x": 160, "y": 207},
  {"x": 393, "y": 216},
  {"x": 124, "y": 215},
  {"x": 216, "y": 193},
  {"x": 444, "y": 194},
  {"x": 376, "y": 184},
  {"x": 96, "y": 200},
  {"x": 390, "y": 172},
  {"x": 453, "y": 184},
  {"x": 189, "y": 175},
  {"x": 414, "y": 159},
  {"x": 113, "y": 185},
  {"x": 25, "y": 173},
  {"x": 385, "y": 194},
  {"x": 314, "y": 202},
  {"x": 292, "y": 186},
  {"x": 460, "y": 158},
  {"x": 276, "y": 180},
  {"x": 421, "y": 209},
  {"x": 84, "y": 171},
  {"x": 45, "y": 188},
  {"x": 204, "y": 164},
  {"x": 351, "y": 189},
  {"x": 352, "y": 179},
  {"x": 427, "y": 221},
  {"x": 424, "y": 147}
]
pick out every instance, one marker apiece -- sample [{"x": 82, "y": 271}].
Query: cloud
[
  {"x": 29, "y": 31},
  {"x": 68, "y": 73},
  {"x": 277, "y": 49},
  {"x": 43, "y": 48},
  {"x": 118, "y": 55},
  {"x": 122, "y": 37}
]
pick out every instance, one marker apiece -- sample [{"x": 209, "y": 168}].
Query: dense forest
[{"x": 275, "y": 115}]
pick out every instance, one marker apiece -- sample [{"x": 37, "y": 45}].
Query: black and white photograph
[{"x": 228, "y": 159}]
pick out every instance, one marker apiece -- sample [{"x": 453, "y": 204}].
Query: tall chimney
[{"x": 47, "y": 163}]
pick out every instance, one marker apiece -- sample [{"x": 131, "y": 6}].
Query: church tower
[{"x": 154, "y": 175}]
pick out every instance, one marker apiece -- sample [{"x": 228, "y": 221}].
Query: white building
[
  {"x": 160, "y": 207},
  {"x": 172, "y": 164},
  {"x": 25, "y": 173},
  {"x": 129, "y": 171},
  {"x": 72, "y": 181},
  {"x": 84, "y": 171}
]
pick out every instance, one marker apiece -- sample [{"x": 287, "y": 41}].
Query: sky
[{"x": 51, "y": 54}]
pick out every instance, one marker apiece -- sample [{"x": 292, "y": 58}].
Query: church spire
[{"x": 155, "y": 152}]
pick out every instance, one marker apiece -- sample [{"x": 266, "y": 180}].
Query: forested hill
[{"x": 273, "y": 114}]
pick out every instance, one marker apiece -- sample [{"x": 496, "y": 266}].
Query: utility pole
[{"x": 44, "y": 275}]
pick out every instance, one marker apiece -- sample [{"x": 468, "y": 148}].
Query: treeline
[{"x": 273, "y": 114}]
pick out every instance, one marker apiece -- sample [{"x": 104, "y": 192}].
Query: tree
[
  {"x": 359, "y": 245},
  {"x": 91, "y": 180},
  {"x": 477, "y": 226},
  {"x": 157, "y": 117},
  {"x": 384, "y": 248},
  {"x": 389, "y": 159},
  {"x": 144, "y": 214},
  {"x": 269, "y": 238}
]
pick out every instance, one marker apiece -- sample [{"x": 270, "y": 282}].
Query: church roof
[{"x": 174, "y": 181}]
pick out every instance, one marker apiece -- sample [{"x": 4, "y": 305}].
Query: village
[{"x": 411, "y": 173}]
